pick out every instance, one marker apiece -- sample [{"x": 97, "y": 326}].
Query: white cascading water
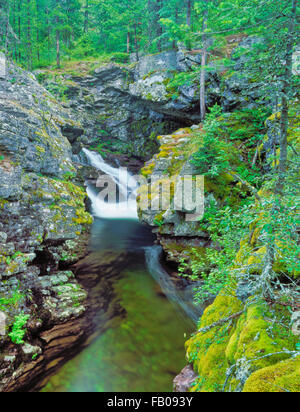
[
  {"x": 182, "y": 297},
  {"x": 126, "y": 209}
]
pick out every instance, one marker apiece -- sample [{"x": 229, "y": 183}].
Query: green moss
[
  {"x": 11, "y": 301},
  {"x": 282, "y": 377},
  {"x": 65, "y": 195},
  {"x": 3, "y": 202},
  {"x": 260, "y": 331},
  {"x": 207, "y": 350}
]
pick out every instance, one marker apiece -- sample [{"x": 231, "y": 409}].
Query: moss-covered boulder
[{"x": 253, "y": 342}]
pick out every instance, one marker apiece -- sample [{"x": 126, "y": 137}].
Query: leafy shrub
[
  {"x": 18, "y": 329},
  {"x": 226, "y": 228},
  {"x": 220, "y": 150},
  {"x": 122, "y": 58}
]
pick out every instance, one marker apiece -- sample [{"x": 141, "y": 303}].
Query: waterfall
[
  {"x": 111, "y": 233},
  {"x": 126, "y": 207},
  {"x": 182, "y": 297}
]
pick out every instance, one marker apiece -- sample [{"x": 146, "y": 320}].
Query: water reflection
[{"x": 120, "y": 234}]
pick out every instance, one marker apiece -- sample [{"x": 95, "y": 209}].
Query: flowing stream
[{"x": 142, "y": 350}]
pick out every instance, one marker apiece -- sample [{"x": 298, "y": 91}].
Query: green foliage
[
  {"x": 246, "y": 125},
  {"x": 119, "y": 57},
  {"x": 219, "y": 150},
  {"x": 11, "y": 301},
  {"x": 18, "y": 329},
  {"x": 213, "y": 157},
  {"x": 226, "y": 228}
]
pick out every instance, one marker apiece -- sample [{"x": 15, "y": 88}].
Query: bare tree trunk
[
  {"x": 189, "y": 20},
  {"x": 37, "y": 32},
  {"x": 150, "y": 23},
  {"x": 7, "y": 28},
  {"x": 284, "y": 123},
  {"x": 57, "y": 39},
  {"x": 19, "y": 28},
  {"x": 203, "y": 64},
  {"x": 48, "y": 32},
  {"x": 15, "y": 30},
  {"x": 189, "y": 13},
  {"x": 177, "y": 22},
  {"x": 86, "y": 17},
  {"x": 159, "y": 29},
  {"x": 128, "y": 41},
  {"x": 136, "y": 42},
  {"x": 29, "y": 56},
  {"x": 57, "y": 48}
]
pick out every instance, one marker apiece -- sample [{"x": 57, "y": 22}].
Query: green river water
[{"x": 142, "y": 352}]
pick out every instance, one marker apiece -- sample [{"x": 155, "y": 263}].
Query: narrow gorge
[{"x": 110, "y": 296}]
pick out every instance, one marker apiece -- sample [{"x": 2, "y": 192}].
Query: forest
[{"x": 37, "y": 33}]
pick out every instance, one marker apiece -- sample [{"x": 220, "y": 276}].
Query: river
[{"x": 143, "y": 350}]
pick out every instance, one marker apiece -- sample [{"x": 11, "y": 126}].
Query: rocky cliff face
[
  {"x": 124, "y": 107},
  {"x": 177, "y": 236},
  {"x": 42, "y": 214}
]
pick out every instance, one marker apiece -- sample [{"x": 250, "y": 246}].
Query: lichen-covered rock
[
  {"x": 42, "y": 215},
  {"x": 31, "y": 136},
  {"x": 123, "y": 108},
  {"x": 179, "y": 236},
  {"x": 115, "y": 119},
  {"x": 163, "y": 174},
  {"x": 205, "y": 350}
]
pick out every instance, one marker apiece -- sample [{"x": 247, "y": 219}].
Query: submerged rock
[{"x": 184, "y": 381}]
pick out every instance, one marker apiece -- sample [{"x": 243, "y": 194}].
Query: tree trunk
[
  {"x": 15, "y": 30},
  {"x": 19, "y": 28},
  {"x": 57, "y": 48},
  {"x": 7, "y": 28},
  {"x": 177, "y": 22},
  {"x": 189, "y": 13},
  {"x": 159, "y": 29},
  {"x": 136, "y": 42},
  {"x": 286, "y": 82},
  {"x": 48, "y": 32},
  {"x": 150, "y": 23},
  {"x": 128, "y": 42},
  {"x": 203, "y": 64},
  {"x": 86, "y": 17},
  {"x": 37, "y": 32},
  {"x": 57, "y": 38},
  {"x": 189, "y": 20},
  {"x": 29, "y": 57}
]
